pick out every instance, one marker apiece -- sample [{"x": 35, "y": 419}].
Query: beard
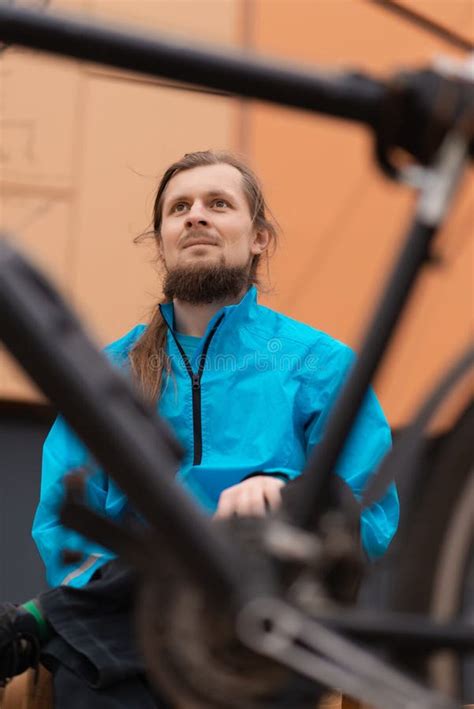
[{"x": 203, "y": 283}]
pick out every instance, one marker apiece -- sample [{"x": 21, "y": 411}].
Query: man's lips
[{"x": 200, "y": 243}]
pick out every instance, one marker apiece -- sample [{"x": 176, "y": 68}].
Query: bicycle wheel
[{"x": 435, "y": 568}]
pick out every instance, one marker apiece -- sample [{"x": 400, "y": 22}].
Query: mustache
[{"x": 197, "y": 235}]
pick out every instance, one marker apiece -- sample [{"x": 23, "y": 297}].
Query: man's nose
[{"x": 196, "y": 216}]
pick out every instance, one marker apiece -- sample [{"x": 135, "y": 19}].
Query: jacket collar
[{"x": 238, "y": 313}]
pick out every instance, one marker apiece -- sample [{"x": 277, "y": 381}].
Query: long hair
[{"x": 148, "y": 357}]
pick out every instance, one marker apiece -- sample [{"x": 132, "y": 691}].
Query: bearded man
[{"x": 245, "y": 389}]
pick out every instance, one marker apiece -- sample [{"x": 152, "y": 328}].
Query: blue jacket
[{"x": 266, "y": 385}]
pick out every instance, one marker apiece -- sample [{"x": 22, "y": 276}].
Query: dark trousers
[{"x": 93, "y": 654}]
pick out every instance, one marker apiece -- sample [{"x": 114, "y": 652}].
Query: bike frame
[{"x": 48, "y": 341}]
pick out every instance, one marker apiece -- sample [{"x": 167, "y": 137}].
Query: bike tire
[{"x": 435, "y": 561}]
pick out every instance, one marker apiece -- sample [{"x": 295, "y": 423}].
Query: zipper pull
[{"x": 196, "y": 381}]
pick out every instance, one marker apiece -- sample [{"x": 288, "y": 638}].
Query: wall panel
[{"x": 37, "y": 171}]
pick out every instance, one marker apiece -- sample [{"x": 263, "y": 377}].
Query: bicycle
[{"x": 300, "y": 629}]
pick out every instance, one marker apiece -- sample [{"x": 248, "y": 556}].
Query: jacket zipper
[{"x": 196, "y": 390}]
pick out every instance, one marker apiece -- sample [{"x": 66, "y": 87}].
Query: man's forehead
[{"x": 208, "y": 179}]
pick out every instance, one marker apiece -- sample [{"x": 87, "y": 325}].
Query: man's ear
[
  {"x": 159, "y": 247},
  {"x": 261, "y": 241}
]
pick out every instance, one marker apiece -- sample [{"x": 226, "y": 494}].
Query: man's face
[{"x": 206, "y": 220}]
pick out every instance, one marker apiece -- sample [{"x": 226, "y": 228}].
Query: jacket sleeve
[
  {"x": 365, "y": 447},
  {"x": 62, "y": 453}
]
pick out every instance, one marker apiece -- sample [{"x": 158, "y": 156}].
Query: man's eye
[
  {"x": 220, "y": 203},
  {"x": 179, "y": 207}
]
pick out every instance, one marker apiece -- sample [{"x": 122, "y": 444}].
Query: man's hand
[{"x": 252, "y": 497}]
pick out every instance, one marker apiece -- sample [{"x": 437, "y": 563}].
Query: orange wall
[
  {"x": 342, "y": 221},
  {"x": 82, "y": 146}
]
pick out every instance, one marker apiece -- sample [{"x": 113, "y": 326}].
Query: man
[{"x": 245, "y": 389}]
